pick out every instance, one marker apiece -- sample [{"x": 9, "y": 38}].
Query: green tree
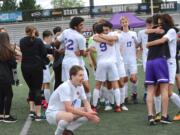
[
  {"x": 67, "y": 3},
  {"x": 9, "y": 5},
  {"x": 28, "y": 5}
]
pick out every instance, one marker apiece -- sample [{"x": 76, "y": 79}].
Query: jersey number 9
[{"x": 103, "y": 47}]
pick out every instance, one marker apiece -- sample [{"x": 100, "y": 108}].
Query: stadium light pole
[
  {"x": 91, "y": 5},
  {"x": 152, "y": 9}
]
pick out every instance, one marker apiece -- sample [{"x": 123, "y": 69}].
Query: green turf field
[{"x": 133, "y": 122}]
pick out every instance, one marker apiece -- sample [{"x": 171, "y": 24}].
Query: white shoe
[
  {"x": 102, "y": 100},
  {"x": 124, "y": 108},
  {"x": 108, "y": 108}
]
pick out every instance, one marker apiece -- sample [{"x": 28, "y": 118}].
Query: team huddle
[{"x": 112, "y": 56}]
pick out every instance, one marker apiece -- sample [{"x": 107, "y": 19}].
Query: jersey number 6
[{"x": 103, "y": 47}]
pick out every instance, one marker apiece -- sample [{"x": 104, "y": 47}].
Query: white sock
[
  {"x": 175, "y": 99},
  {"x": 77, "y": 123},
  {"x": 126, "y": 89},
  {"x": 111, "y": 96},
  {"x": 96, "y": 95},
  {"x": 134, "y": 87},
  {"x": 117, "y": 96},
  {"x": 60, "y": 127},
  {"x": 122, "y": 91},
  {"x": 47, "y": 94},
  {"x": 157, "y": 103},
  {"x": 88, "y": 95}
]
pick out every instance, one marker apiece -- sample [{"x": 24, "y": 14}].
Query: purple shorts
[{"x": 157, "y": 71}]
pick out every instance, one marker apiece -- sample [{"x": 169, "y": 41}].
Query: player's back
[
  {"x": 105, "y": 52},
  {"x": 73, "y": 41}
]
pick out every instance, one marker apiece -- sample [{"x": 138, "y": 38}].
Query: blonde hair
[{"x": 123, "y": 18}]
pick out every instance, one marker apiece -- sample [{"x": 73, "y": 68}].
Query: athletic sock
[
  {"x": 122, "y": 93},
  {"x": 47, "y": 94},
  {"x": 175, "y": 99},
  {"x": 117, "y": 96},
  {"x": 77, "y": 123},
  {"x": 60, "y": 127},
  {"x": 111, "y": 96},
  {"x": 157, "y": 103},
  {"x": 96, "y": 95},
  {"x": 126, "y": 89}
]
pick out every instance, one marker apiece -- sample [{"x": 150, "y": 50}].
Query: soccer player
[
  {"x": 171, "y": 37},
  {"x": 47, "y": 40},
  {"x": 106, "y": 69},
  {"x": 142, "y": 41},
  {"x": 75, "y": 49},
  {"x": 157, "y": 73},
  {"x": 65, "y": 109},
  {"x": 58, "y": 58},
  {"x": 115, "y": 37},
  {"x": 128, "y": 51}
]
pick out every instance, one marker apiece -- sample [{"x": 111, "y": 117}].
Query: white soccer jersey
[
  {"x": 72, "y": 41},
  {"x": 128, "y": 46},
  {"x": 172, "y": 42},
  {"x": 117, "y": 46},
  {"x": 105, "y": 52},
  {"x": 143, "y": 39},
  {"x": 66, "y": 92}
]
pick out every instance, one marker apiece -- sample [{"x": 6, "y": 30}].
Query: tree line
[{"x": 12, "y": 5}]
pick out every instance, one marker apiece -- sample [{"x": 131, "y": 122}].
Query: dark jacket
[
  {"x": 33, "y": 53},
  {"x": 6, "y": 74}
]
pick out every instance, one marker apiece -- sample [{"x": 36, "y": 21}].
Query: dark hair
[
  {"x": 94, "y": 27},
  {"x": 6, "y": 49},
  {"x": 99, "y": 28},
  {"x": 149, "y": 20},
  {"x": 31, "y": 31},
  {"x": 75, "y": 22},
  {"x": 108, "y": 24},
  {"x": 167, "y": 20},
  {"x": 74, "y": 70},
  {"x": 46, "y": 33},
  {"x": 57, "y": 29},
  {"x": 155, "y": 19}
]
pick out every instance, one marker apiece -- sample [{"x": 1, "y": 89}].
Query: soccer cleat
[
  {"x": 117, "y": 109},
  {"x": 123, "y": 107},
  {"x": 158, "y": 117},
  {"x": 68, "y": 132},
  {"x": 9, "y": 119},
  {"x": 32, "y": 114},
  {"x": 108, "y": 108},
  {"x": 165, "y": 120},
  {"x": 177, "y": 117},
  {"x": 151, "y": 120}
]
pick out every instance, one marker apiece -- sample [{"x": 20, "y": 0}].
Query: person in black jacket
[
  {"x": 7, "y": 63},
  {"x": 33, "y": 62},
  {"x": 58, "y": 58}
]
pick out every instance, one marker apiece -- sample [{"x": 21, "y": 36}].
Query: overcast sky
[{"x": 47, "y": 3}]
